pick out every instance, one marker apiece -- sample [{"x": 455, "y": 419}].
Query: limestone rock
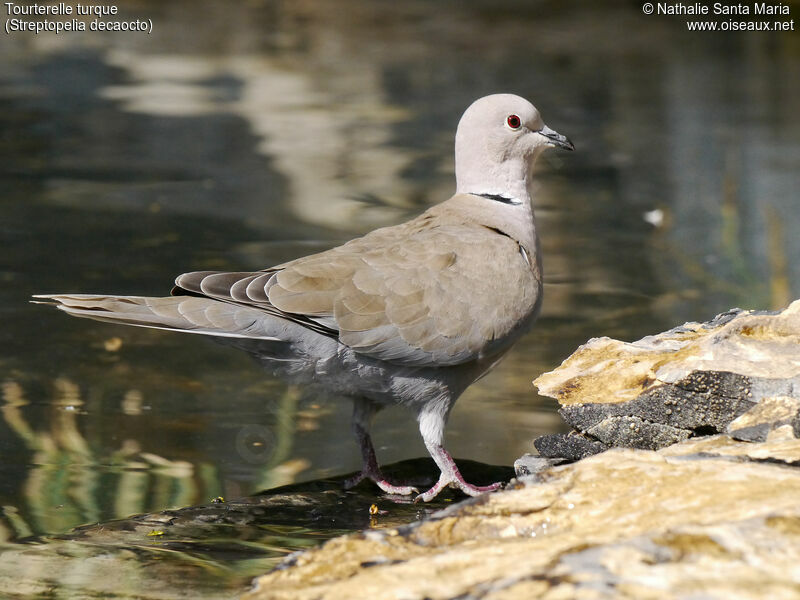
[
  {"x": 693, "y": 380},
  {"x": 766, "y": 416},
  {"x": 529, "y": 465},
  {"x": 710, "y": 517}
]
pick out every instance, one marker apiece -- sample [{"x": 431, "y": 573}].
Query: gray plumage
[{"x": 410, "y": 314}]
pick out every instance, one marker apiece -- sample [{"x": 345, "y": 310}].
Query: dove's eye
[{"x": 514, "y": 121}]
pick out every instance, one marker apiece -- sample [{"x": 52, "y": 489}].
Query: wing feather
[
  {"x": 238, "y": 290},
  {"x": 256, "y": 290}
]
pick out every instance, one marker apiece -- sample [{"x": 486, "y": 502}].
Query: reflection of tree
[{"x": 70, "y": 477}]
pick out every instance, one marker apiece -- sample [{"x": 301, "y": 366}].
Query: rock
[
  {"x": 571, "y": 446},
  {"x": 693, "y": 380},
  {"x": 710, "y": 517},
  {"x": 766, "y": 416},
  {"x": 529, "y": 465},
  {"x": 635, "y": 432}
]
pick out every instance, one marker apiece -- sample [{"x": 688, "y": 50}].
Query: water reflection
[{"x": 241, "y": 136}]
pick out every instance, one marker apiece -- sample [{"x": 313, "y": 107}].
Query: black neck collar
[{"x": 499, "y": 198}]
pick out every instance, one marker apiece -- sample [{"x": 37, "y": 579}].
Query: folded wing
[{"x": 411, "y": 294}]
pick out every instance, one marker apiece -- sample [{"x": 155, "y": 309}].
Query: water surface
[{"x": 236, "y": 137}]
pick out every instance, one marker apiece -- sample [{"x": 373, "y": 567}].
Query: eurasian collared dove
[{"x": 410, "y": 314}]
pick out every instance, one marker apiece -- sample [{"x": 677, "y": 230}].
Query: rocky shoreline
[{"x": 711, "y": 516}]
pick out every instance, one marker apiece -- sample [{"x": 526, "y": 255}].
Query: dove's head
[{"x": 498, "y": 139}]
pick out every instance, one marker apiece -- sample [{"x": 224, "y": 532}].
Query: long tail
[{"x": 176, "y": 313}]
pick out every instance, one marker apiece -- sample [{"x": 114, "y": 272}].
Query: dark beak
[{"x": 556, "y": 140}]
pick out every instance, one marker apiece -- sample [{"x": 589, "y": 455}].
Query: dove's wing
[{"x": 420, "y": 293}]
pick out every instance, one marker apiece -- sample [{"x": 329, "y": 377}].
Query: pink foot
[
  {"x": 451, "y": 476},
  {"x": 378, "y": 479},
  {"x": 467, "y": 488}
]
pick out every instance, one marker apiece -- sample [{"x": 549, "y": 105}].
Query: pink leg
[
  {"x": 362, "y": 415},
  {"x": 431, "y": 426}
]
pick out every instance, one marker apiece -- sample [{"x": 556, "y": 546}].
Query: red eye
[{"x": 513, "y": 121}]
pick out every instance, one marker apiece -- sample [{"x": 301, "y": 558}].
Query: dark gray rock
[
  {"x": 706, "y": 400},
  {"x": 634, "y": 432},
  {"x": 570, "y": 446}
]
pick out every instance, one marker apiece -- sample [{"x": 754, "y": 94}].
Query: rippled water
[{"x": 236, "y": 137}]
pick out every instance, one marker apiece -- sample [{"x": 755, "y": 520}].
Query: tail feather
[{"x": 189, "y": 314}]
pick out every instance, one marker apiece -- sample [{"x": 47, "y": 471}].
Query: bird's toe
[
  {"x": 475, "y": 490},
  {"x": 390, "y": 488},
  {"x": 378, "y": 479}
]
